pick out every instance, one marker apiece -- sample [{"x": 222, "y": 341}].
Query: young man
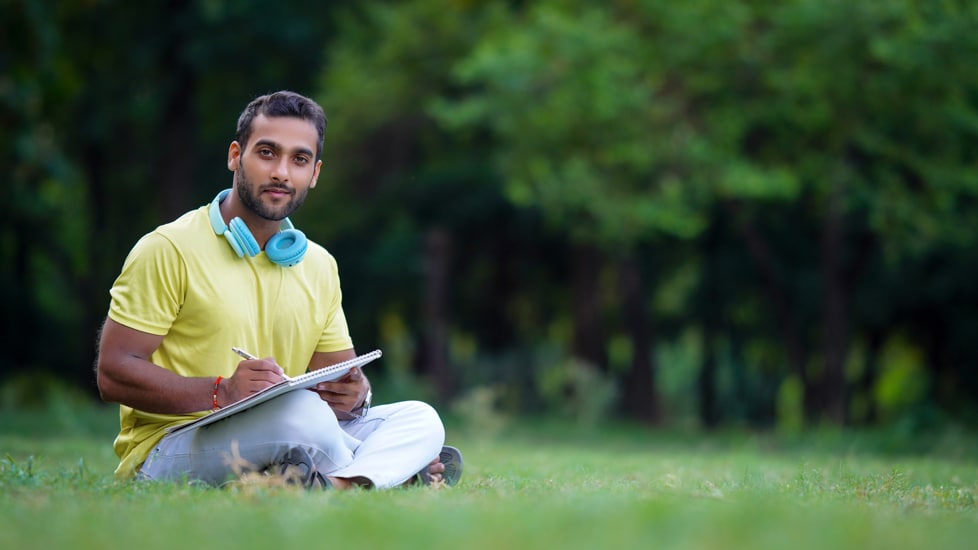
[{"x": 235, "y": 274}]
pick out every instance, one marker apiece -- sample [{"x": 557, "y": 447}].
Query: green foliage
[
  {"x": 812, "y": 95},
  {"x": 479, "y": 414},
  {"x": 43, "y": 222},
  {"x": 575, "y": 390},
  {"x": 790, "y": 403},
  {"x": 43, "y": 404},
  {"x": 903, "y": 383},
  {"x": 581, "y": 130},
  {"x": 717, "y": 144}
]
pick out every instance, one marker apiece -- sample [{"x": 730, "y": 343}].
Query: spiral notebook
[{"x": 303, "y": 381}]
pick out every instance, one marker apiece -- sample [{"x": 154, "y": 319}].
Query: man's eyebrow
[
  {"x": 268, "y": 143},
  {"x": 277, "y": 147}
]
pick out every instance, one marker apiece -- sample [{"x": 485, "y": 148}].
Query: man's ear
[
  {"x": 315, "y": 175},
  {"x": 234, "y": 156}
]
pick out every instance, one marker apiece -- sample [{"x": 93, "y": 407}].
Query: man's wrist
[{"x": 214, "y": 400}]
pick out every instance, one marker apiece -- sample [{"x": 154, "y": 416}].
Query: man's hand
[
  {"x": 251, "y": 376},
  {"x": 344, "y": 394}
]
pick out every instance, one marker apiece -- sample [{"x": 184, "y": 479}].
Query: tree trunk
[
  {"x": 868, "y": 378},
  {"x": 835, "y": 310},
  {"x": 179, "y": 131},
  {"x": 96, "y": 283},
  {"x": 498, "y": 328},
  {"x": 434, "y": 352},
  {"x": 21, "y": 334},
  {"x": 786, "y": 315},
  {"x": 589, "y": 337},
  {"x": 708, "y": 306},
  {"x": 641, "y": 399}
]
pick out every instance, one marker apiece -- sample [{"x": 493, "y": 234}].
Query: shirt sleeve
[
  {"x": 150, "y": 289},
  {"x": 336, "y": 333}
]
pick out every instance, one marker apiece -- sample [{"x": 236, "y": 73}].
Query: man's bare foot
[
  {"x": 435, "y": 474},
  {"x": 346, "y": 483},
  {"x": 435, "y": 471}
]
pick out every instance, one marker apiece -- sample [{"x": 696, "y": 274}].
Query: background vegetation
[{"x": 698, "y": 213}]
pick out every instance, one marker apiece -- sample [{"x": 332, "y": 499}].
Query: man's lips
[{"x": 277, "y": 192}]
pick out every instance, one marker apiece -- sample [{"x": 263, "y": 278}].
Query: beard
[{"x": 250, "y": 197}]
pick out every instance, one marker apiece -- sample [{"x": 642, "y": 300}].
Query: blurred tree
[
  {"x": 407, "y": 206},
  {"x": 619, "y": 121},
  {"x": 43, "y": 225},
  {"x": 584, "y": 135},
  {"x": 841, "y": 112},
  {"x": 788, "y": 186},
  {"x": 106, "y": 99}
]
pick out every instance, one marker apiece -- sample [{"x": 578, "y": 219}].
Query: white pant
[{"x": 387, "y": 446}]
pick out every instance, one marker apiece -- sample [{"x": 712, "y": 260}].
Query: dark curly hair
[{"x": 282, "y": 104}]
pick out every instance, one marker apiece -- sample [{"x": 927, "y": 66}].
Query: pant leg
[
  {"x": 388, "y": 446},
  {"x": 397, "y": 441},
  {"x": 253, "y": 440}
]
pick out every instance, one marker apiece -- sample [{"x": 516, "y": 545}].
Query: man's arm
[
  {"x": 347, "y": 393},
  {"x": 125, "y": 375}
]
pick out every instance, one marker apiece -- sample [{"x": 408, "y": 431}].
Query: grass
[{"x": 545, "y": 485}]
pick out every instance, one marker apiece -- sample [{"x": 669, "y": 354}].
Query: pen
[
  {"x": 247, "y": 355},
  {"x": 243, "y": 353}
]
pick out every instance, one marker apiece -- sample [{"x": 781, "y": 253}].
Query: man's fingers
[
  {"x": 338, "y": 388},
  {"x": 269, "y": 363},
  {"x": 266, "y": 365},
  {"x": 254, "y": 375},
  {"x": 353, "y": 376}
]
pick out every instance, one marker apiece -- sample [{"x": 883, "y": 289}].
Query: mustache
[{"x": 277, "y": 187}]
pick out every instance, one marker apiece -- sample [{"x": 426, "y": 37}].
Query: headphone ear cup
[
  {"x": 287, "y": 247},
  {"x": 246, "y": 241}
]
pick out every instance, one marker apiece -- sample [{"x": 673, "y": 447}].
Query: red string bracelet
[{"x": 216, "y": 384}]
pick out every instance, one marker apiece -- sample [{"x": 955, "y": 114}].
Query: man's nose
[{"x": 280, "y": 172}]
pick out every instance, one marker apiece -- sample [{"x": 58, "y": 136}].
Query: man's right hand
[{"x": 251, "y": 376}]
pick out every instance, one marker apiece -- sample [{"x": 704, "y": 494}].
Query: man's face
[{"x": 277, "y": 166}]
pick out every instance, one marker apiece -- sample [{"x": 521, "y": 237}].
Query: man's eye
[
  {"x": 265, "y": 152},
  {"x": 301, "y": 160}
]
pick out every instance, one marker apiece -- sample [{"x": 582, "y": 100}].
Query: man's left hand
[{"x": 344, "y": 394}]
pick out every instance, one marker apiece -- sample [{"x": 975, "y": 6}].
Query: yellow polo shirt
[{"x": 184, "y": 282}]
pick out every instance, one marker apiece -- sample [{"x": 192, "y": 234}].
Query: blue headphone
[{"x": 286, "y": 248}]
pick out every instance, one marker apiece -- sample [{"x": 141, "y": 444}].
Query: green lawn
[{"x": 543, "y": 486}]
